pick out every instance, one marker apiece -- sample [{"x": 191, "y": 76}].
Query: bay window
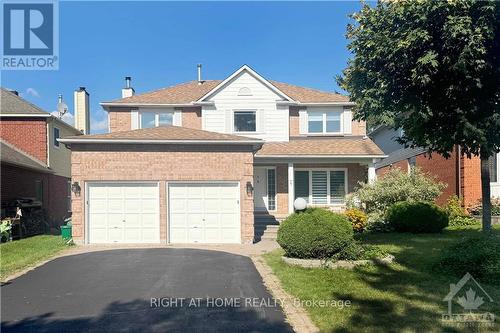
[
  {"x": 324, "y": 122},
  {"x": 321, "y": 186}
]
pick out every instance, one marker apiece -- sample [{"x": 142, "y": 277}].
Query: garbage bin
[{"x": 66, "y": 232}]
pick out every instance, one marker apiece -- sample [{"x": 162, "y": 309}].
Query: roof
[
  {"x": 13, "y": 104},
  {"x": 189, "y": 92},
  {"x": 344, "y": 146},
  {"x": 12, "y": 155},
  {"x": 399, "y": 155},
  {"x": 166, "y": 134}
]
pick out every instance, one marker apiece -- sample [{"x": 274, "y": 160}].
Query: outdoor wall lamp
[
  {"x": 75, "y": 188},
  {"x": 249, "y": 188}
]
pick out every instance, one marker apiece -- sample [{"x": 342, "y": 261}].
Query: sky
[{"x": 159, "y": 44}]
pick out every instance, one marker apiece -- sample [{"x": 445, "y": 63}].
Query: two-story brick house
[
  {"x": 196, "y": 162},
  {"x": 33, "y": 163}
]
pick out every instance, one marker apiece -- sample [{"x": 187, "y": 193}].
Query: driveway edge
[{"x": 295, "y": 315}]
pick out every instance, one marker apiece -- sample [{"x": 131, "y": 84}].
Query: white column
[
  {"x": 372, "y": 175},
  {"x": 291, "y": 188}
]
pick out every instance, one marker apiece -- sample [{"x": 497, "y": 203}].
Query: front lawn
[
  {"x": 405, "y": 297},
  {"x": 18, "y": 255}
]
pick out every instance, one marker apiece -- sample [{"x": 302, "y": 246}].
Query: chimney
[
  {"x": 199, "y": 74},
  {"x": 128, "y": 90},
  {"x": 82, "y": 112}
]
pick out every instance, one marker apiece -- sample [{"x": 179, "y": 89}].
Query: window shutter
[
  {"x": 302, "y": 121},
  {"x": 347, "y": 121},
  {"x": 228, "y": 114},
  {"x": 134, "y": 121},
  {"x": 177, "y": 119},
  {"x": 261, "y": 121}
]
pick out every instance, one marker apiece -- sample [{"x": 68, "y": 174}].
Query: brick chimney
[
  {"x": 82, "y": 110},
  {"x": 128, "y": 90}
]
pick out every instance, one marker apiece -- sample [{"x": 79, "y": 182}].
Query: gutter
[
  {"x": 316, "y": 104},
  {"x": 320, "y": 156},
  {"x": 145, "y": 141},
  {"x": 25, "y": 115},
  {"x": 107, "y": 105}
]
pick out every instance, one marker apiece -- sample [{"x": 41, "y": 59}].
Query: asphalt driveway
[{"x": 143, "y": 290}]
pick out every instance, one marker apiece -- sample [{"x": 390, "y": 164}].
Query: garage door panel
[
  {"x": 194, "y": 205},
  {"x": 120, "y": 212},
  {"x": 178, "y": 220},
  {"x": 149, "y": 205},
  {"x": 201, "y": 212}
]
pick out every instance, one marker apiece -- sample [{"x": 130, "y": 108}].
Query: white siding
[{"x": 272, "y": 120}]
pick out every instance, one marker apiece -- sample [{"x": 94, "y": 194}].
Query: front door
[{"x": 260, "y": 188}]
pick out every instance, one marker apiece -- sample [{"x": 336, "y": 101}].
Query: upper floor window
[
  {"x": 245, "y": 121},
  {"x": 323, "y": 122},
  {"x": 494, "y": 168},
  {"x": 56, "y": 136},
  {"x": 156, "y": 119}
]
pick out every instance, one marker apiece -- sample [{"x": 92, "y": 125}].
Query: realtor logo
[
  {"x": 469, "y": 294},
  {"x": 30, "y": 35}
]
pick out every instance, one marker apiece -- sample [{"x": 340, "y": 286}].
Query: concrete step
[
  {"x": 269, "y": 236},
  {"x": 266, "y": 228}
]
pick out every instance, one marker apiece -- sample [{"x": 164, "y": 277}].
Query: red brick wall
[
  {"x": 163, "y": 164},
  {"x": 403, "y": 165},
  {"x": 444, "y": 170},
  {"x": 27, "y": 134},
  {"x": 471, "y": 180},
  {"x": 19, "y": 182}
]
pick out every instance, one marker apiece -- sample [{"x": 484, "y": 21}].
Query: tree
[{"x": 432, "y": 69}]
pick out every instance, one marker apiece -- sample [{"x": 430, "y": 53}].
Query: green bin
[{"x": 66, "y": 232}]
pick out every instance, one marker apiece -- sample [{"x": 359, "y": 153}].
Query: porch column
[
  {"x": 291, "y": 188},
  {"x": 372, "y": 175}
]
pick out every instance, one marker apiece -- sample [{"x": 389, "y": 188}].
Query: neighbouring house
[
  {"x": 460, "y": 173},
  {"x": 34, "y": 164},
  {"x": 201, "y": 161}
]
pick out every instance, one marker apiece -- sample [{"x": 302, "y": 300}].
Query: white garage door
[
  {"x": 123, "y": 213},
  {"x": 204, "y": 213}
]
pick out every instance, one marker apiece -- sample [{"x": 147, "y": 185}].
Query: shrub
[
  {"x": 457, "y": 215},
  {"x": 396, "y": 186},
  {"x": 357, "y": 218},
  {"x": 479, "y": 256},
  {"x": 315, "y": 233},
  {"x": 357, "y": 251},
  {"x": 477, "y": 209},
  {"x": 417, "y": 217}
]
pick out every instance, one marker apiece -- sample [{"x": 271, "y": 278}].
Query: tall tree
[{"x": 431, "y": 68}]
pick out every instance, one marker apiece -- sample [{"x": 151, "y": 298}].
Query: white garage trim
[
  {"x": 231, "y": 233},
  {"x": 155, "y": 206}
]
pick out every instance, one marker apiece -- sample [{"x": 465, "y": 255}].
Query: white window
[
  {"x": 324, "y": 122},
  {"x": 271, "y": 189},
  {"x": 494, "y": 167},
  {"x": 56, "y": 136},
  {"x": 321, "y": 187},
  {"x": 245, "y": 121},
  {"x": 150, "y": 119}
]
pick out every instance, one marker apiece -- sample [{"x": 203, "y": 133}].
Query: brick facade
[
  {"x": 461, "y": 174},
  {"x": 19, "y": 182},
  {"x": 120, "y": 120},
  {"x": 191, "y": 117},
  {"x": 163, "y": 164},
  {"x": 27, "y": 134}
]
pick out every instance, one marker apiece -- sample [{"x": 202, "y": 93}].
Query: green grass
[
  {"x": 404, "y": 297},
  {"x": 18, "y": 255}
]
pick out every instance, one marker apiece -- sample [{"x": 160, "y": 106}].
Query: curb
[{"x": 295, "y": 315}]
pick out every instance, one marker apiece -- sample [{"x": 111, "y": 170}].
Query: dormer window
[{"x": 245, "y": 91}]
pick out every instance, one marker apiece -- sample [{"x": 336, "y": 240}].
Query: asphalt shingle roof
[
  {"x": 13, "y": 104},
  {"x": 321, "y": 146},
  {"x": 192, "y": 91},
  {"x": 11, "y": 155}
]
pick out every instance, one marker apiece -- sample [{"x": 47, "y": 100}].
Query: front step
[{"x": 265, "y": 227}]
